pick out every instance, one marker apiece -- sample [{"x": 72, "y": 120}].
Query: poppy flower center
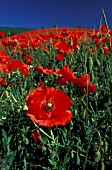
[{"x": 48, "y": 106}]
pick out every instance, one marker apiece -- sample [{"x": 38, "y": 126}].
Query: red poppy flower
[
  {"x": 82, "y": 81},
  {"x": 61, "y": 81},
  {"x": 2, "y": 34},
  {"x": 23, "y": 43},
  {"x": 103, "y": 40},
  {"x": 2, "y": 67},
  {"x": 91, "y": 88},
  {"x": 45, "y": 48},
  {"x": 4, "y": 57},
  {"x": 5, "y": 42},
  {"x": 35, "y": 44},
  {"x": 103, "y": 28},
  {"x": 106, "y": 50},
  {"x": 60, "y": 56},
  {"x": 17, "y": 64},
  {"x": 67, "y": 75},
  {"x": 28, "y": 59},
  {"x": 24, "y": 69},
  {"x": 41, "y": 70},
  {"x": 63, "y": 47},
  {"x": 36, "y": 136},
  {"x": 38, "y": 68},
  {"x": 92, "y": 50},
  {"x": 40, "y": 84},
  {"x": 48, "y": 106},
  {"x": 3, "y": 81}
]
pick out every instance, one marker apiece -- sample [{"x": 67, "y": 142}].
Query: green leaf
[
  {"x": 4, "y": 139},
  {"x": 102, "y": 166},
  {"x": 12, "y": 159},
  {"x": 78, "y": 160},
  {"x": 9, "y": 139},
  {"x": 97, "y": 156},
  {"x": 4, "y": 134},
  {"x": 106, "y": 146},
  {"x": 52, "y": 162}
]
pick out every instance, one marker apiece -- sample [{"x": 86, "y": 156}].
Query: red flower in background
[
  {"x": 92, "y": 50},
  {"x": 36, "y": 136},
  {"x": 103, "y": 28},
  {"x": 24, "y": 69},
  {"x": 83, "y": 82},
  {"x": 28, "y": 59},
  {"x": 41, "y": 70},
  {"x": 61, "y": 81},
  {"x": 45, "y": 48},
  {"x": 40, "y": 84},
  {"x": 106, "y": 50},
  {"x": 3, "y": 81},
  {"x": 2, "y": 67},
  {"x": 2, "y": 34},
  {"x": 91, "y": 88},
  {"x": 4, "y": 57},
  {"x": 60, "y": 57},
  {"x": 48, "y": 106},
  {"x": 66, "y": 75},
  {"x": 63, "y": 47},
  {"x": 16, "y": 64}
]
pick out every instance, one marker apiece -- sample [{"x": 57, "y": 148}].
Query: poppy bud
[{"x": 36, "y": 136}]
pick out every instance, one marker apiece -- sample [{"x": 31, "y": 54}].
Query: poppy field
[{"x": 56, "y": 100}]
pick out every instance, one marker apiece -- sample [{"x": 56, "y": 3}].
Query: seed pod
[
  {"x": 90, "y": 63},
  {"x": 97, "y": 156}
]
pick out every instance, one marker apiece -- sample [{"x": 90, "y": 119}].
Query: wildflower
[
  {"x": 91, "y": 88},
  {"x": 2, "y": 34},
  {"x": 63, "y": 47},
  {"x": 103, "y": 28},
  {"x": 83, "y": 82},
  {"x": 60, "y": 56},
  {"x": 16, "y": 64},
  {"x": 92, "y": 50},
  {"x": 24, "y": 69},
  {"x": 41, "y": 70},
  {"x": 48, "y": 106},
  {"x": 3, "y": 81},
  {"x": 4, "y": 57},
  {"x": 45, "y": 48},
  {"x": 36, "y": 136},
  {"x": 28, "y": 59},
  {"x": 106, "y": 50},
  {"x": 40, "y": 84},
  {"x": 66, "y": 75}
]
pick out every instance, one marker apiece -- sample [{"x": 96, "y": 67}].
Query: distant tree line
[{"x": 11, "y": 31}]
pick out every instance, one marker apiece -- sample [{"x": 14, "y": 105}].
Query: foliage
[{"x": 11, "y": 31}]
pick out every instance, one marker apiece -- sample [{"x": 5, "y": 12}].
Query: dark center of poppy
[{"x": 48, "y": 106}]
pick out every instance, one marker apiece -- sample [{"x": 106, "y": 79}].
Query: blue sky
[{"x": 46, "y": 13}]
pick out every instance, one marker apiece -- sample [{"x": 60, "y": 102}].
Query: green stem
[
  {"x": 4, "y": 91},
  {"x": 2, "y": 95},
  {"x": 87, "y": 119},
  {"x": 88, "y": 147},
  {"x": 46, "y": 134},
  {"x": 105, "y": 19},
  {"x": 41, "y": 130}
]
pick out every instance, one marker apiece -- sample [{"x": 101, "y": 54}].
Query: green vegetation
[{"x": 11, "y": 31}]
